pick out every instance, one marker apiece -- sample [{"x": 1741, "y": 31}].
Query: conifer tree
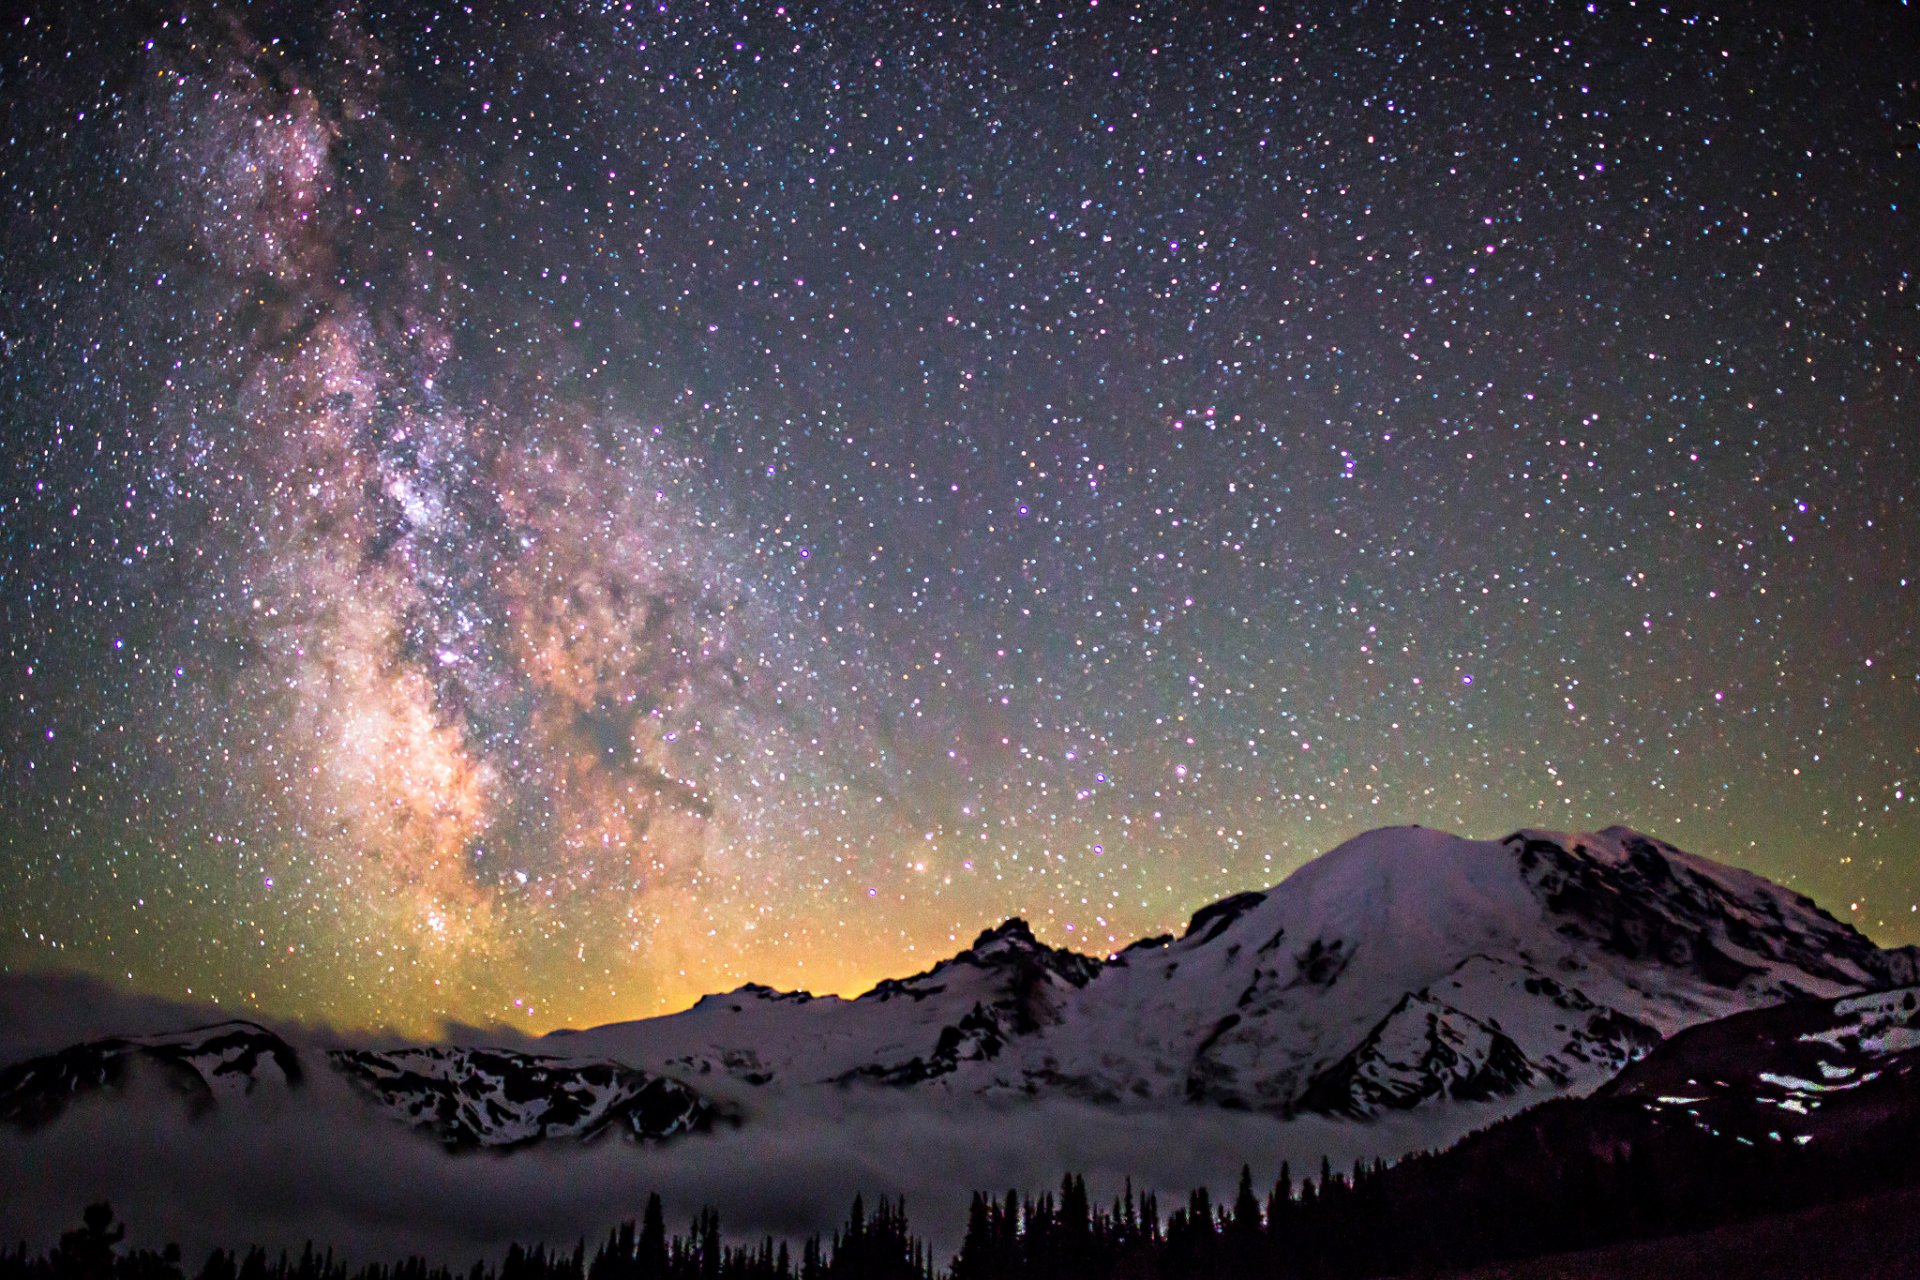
[
  {"x": 87, "y": 1252},
  {"x": 651, "y": 1253}
]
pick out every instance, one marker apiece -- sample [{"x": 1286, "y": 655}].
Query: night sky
[{"x": 541, "y": 515}]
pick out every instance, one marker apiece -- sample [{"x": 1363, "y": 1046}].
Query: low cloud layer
[{"x": 280, "y": 1168}]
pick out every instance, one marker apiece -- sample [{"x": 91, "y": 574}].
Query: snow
[
  {"x": 1401, "y": 990},
  {"x": 232, "y": 1058},
  {"x": 1795, "y": 1085},
  {"x": 1878, "y": 1024},
  {"x": 1809, "y": 1081},
  {"x": 505, "y": 1098},
  {"x": 1396, "y": 962}
]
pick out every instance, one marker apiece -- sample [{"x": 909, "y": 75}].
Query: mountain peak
[
  {"x": 1408, "y": 970},
  {"x": 1215, "y": 917},
  {"x": 1013, "y": 942},
  {"x": 752, "y": 993},
  {"x": 1014, "y": 932}
]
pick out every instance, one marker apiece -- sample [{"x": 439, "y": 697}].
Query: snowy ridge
[
  {"x": 1422, "y": 1049},
  {"x": 204, "y": 1065},
  {"x": 501, "y": 1098},
  {"x": 465, "y": 1097},
  {"x": 1406, "y": 969},
  {"x": 1638, "y": 899},
  {"x": 907, "y": 1031}
]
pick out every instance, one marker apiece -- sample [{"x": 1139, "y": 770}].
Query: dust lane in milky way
[{"x": 542, "y": 516}]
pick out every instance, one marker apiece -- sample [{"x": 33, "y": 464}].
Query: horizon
[{"x": 450, "y": 1030}]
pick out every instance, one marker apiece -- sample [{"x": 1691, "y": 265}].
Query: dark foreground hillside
[{"x": 1875, "y": 1237}]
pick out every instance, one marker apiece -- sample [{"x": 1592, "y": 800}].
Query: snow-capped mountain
[
  {"x": 204, "y": 1065},
  {"x": 1005, "y": 987},
  {"x": 1406, "y": 970},
  {"x": 1408, "y": 992},
  {"x": 503, "y": 1098},
  {"x": 464, "y": 1097},
  {"x": 1794, "y": 1122},
  {"x": 1405, "y": 967},
  {"x": 1410, "y": 965}
]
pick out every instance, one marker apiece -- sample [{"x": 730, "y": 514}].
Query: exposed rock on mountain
[
  {"x": 1406, "y": 971},
  {"x": 202, "y": 1065},
  {"x": 500, "y": 1098}
]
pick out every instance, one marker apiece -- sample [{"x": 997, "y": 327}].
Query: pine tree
[
  {"x": 650, "y": 1255},
  {"x": 87, "y": 1252},
  {"x": 976, "y": 1259}
]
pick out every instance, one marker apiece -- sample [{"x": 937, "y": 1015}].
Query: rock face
[
  {"x": 1018, "y": 986},
  {"x": 203, "y": 1065},
  {"x": 1641, "y": 900},
  {"x": 1422, "y": 1049},
  {"x": 501, "y": 1098},
  {"x": 1406, "y": 969}
]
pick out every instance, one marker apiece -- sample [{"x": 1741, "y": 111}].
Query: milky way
[{"x": 539, "y": 516}]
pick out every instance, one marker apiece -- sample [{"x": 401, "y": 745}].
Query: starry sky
[{"x": 535, "y": 514}]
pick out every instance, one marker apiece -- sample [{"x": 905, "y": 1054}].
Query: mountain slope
[
  {"x": 1830, "y": 1071},
  {"x": 464, "y": 1097},
  {"x": 500, "y": 1098},
  {"x": 1759, "y": 1113},
  {"x": 1407, "y": 970},
  {"x": 202, "y": 1064},
  {"x": 1541, "y": 960},
  {"x": 910, "y": 1031},
  {"x": 1404, "y": 969}
]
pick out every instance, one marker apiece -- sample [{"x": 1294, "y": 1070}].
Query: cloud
[{"x": 282, "y": 1168}]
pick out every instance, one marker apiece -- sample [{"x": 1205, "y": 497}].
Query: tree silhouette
[{"x": 87, "y": 1252}]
